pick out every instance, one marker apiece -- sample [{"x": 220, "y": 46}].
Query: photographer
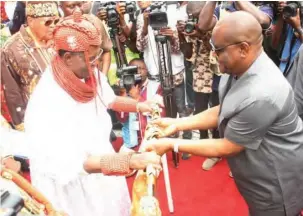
[
  {"x": 186, "y": 49},
  {"x": 288, "y": 32},
  {"x": 146, "y": 43},
  {"x": 126, "y": 32},
  {"x": 134, "y": 124},
  {"x": 205, "y": 80}
]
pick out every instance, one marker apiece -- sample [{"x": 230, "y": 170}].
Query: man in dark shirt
[{"x": 261, "y": 132}]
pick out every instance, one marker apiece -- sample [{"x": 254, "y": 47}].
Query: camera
[
  {"x": 130, "y": 9},
  {"x": 11, "y": 204},
  {"x": 157, "y": 16},
  {"x": 190, "y": 25},
  {"x": 290, "y": 10},
  {"x": 128, "y": 77},
  {"x": 111, "y": 13}
]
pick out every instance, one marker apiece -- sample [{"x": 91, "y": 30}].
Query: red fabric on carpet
[{"x": 196, "y": 192}]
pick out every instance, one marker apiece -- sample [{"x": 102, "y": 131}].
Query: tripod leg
[{"x": 175, "y": 159}]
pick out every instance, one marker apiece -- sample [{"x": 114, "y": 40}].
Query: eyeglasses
[
  {"x": 94, "y": 59},
  {"x": 221, "y": 49},
  {"x": 50, "y": 22}
]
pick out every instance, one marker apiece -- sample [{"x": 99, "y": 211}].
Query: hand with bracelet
[
  {"x": 126, "y": 104},
  {"x": 121, "y": 163}
]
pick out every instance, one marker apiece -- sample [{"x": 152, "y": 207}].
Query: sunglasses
[
  {"x": 48, "y": 23},
  {"x": 97, "y": 57}
]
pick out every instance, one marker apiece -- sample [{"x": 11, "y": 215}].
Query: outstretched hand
[
  {"x": 160, "y": 146},
  {"x": 166, "y": 125}
]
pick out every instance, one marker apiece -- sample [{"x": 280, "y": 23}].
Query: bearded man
[
  {"x": 24, "y": 57},
  {"x": 71, "y": 102}
]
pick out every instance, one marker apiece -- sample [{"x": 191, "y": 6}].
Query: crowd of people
[{"x": 237, "y": 78}]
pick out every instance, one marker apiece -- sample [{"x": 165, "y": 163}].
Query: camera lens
[{"x": 189, "y": 27}]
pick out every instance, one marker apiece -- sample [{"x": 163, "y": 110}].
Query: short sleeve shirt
[{"x": 260, "y": 114}]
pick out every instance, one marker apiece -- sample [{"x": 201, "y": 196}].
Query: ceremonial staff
[{"x": 144, "y": 201}]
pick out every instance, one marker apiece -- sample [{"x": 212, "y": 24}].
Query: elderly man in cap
[
  {"x": 68, "y": 128},
  {"x": 261, "y": 132},
  {"x": 25, "y": 56}
]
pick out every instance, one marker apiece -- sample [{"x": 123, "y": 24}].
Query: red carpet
[{"x": 197, "y": 192}]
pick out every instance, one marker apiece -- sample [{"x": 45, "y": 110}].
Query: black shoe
[
  {"x": 189, "y": 111},
  {"x": 117, "y": 126},
  {"x": 113, "y": 136},
  {"x": 185, "y": 156}
]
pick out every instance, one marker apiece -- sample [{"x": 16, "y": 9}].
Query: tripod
[
  {"x": 166, "y": 79},
  {"x": 118, "y": 48}
]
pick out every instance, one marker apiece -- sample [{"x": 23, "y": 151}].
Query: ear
[
  {"x": 245, "y": 48},
  {"x": 30, "y": 21},
  {"x": 67, "y": 58}
]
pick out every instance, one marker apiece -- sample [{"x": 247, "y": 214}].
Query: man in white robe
[{"x": 68, "y": 128}]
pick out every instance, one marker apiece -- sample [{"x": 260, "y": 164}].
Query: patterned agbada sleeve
[
  {"x": 175, "y": 43},
  {"x": 15, "y": 101},
  {"x": 142, "y": 40}
]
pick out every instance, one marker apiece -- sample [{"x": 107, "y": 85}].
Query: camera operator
[
  {"x": 146, "y": 43},
  {"x": 186, "y": 49},
  {"x": 146, "y": 90},
  {"x": 288, "y": 32},
  {"x": 68, "y": 8},
  {"x": 204, "y": 69},
  {"x": 127, "y": 32}
]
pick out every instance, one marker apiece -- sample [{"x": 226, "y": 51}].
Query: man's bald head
[
  {"x": 237, "y": 40},
  {"x": 238, "y": 26}
]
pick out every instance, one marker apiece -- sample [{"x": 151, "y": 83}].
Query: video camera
[
  {"x": 190, "y": 24},
  {"x": 290, "y": 10},
  {"x": 157, "y": 16},
  {"x": 131, "y": 9},
  {"x": 111, "y": 14},
  {"x": 128, "y": 77}
]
